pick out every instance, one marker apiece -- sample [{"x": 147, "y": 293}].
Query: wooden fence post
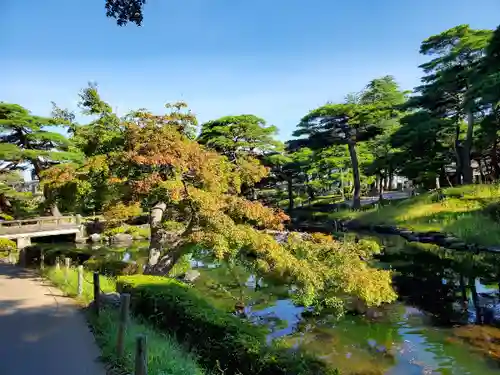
[
  {"x": 122, "y": 329},
  {"x": 66, "y": 269},
  {"x": 141, "y": 358},
  {"x": 97, "y": 288},
  {"x": 58, "y": 264},
  {"x": 80, "y": 280}
]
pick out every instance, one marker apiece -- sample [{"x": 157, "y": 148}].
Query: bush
[
  {"x": 112, "y": 267},
  {"x": 4, "y": 216},
  {"x": 136, "y": 232},
  {"x": 173, "y": 226},
  {"x": 6, "y": 246},
  {"x": 120, "y": 212},
  {"x": 220, "y": 340}
]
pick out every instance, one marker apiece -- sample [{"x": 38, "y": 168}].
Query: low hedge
[{"x": 221, "y": 341}]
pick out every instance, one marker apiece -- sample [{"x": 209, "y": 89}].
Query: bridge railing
[{"x": 36, "y": 224}]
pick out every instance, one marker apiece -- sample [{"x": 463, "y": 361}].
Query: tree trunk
[
  {"x": 356, "y": 199},
  {"x": 51, "y": 202},
  {"x": 310, "y": 190},
  {"x": 481, "y": 172},
  {"x": 458, "y": 155},
  {"x": 168, "y": 260},
  {"x": 157, "y": 233},
  {"x": 463, "y": 289},
  {"x": 391, "y": 179},
  {"x": 467, "y": 148},
  {"x": 54, "y": 209},
  {"x": 5, "y": 205},
  {"x": 494, "y": 160},
  {"x": 475, "y": 300},
  {"x": 381, "y": 189},
  {"x": 290, "y": 194}
]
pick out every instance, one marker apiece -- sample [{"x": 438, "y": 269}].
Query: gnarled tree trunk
[
  {"x": 290, "y": 194},
  {"x": 159, "y": 261},
  {"x": 51, "y": 202},
  {"x": 466, "y": 150},
  {"x": 356, "y": 199},
  {"x": 157, "y": 233}
]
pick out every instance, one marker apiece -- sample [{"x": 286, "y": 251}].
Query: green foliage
[
  {"x": 173, "y": 226},
  {"x": 136, "y": 232},
  {"x": 120, "y": 212},
  {"x": 231, "y": 135},
  {"x": 221, "y": 340},
  {"x": 6, "y": 217},
  {"x": 111, "y": 267},
  {"x": 24, "y": 138},
  {"x": 165, "y": 355},
  {"x": 7, "y": 246}
]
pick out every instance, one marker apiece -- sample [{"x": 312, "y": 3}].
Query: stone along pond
[{"x": 444, "y": 323}]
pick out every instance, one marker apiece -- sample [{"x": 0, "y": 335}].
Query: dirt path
[{"x": 42, "y": 332}]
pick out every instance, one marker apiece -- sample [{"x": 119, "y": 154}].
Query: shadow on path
[{"x": 41, "y": 332}]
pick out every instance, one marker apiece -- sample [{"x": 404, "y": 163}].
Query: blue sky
[{"x": 276, "y": 59}]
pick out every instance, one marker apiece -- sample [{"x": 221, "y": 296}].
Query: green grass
[
  {"x": 465, "y": 212},
  {"x": 165, "y": 355}
]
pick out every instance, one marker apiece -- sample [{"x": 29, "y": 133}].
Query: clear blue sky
[{"x": 273, "y": 58}]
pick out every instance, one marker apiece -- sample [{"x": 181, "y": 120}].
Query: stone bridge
[{"x": 24, "y": 230}]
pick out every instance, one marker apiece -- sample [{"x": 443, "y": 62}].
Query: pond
[{"x": 444, "y": 322}]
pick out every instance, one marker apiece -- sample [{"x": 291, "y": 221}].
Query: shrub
[
  {"x": 220, "y": 340},
  {"x": 6, "y": 246},
  {"x": 111, "y": 267},
  {"x": 6, "y": 217},
  {"x": 173, "y": 226},
  {"x": 136, "y": 232},
  {"x": 120, "y": 212}
]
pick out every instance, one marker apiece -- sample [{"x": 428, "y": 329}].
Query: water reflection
[{"x": 456, "y": 287}]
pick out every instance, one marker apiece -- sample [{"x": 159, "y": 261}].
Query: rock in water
[
  {"x": 122, "y": 238},
  {"x": 95, "y": 237},
  {"x": 191, "y": 276}
]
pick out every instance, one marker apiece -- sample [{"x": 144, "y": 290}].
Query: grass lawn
[
  {"x": 165, "y": 354},
  {"x": 471, "y": 213}
]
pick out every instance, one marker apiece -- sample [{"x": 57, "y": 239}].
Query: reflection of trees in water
[{"x": 440, "y": 280}]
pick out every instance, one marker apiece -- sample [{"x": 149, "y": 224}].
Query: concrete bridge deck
[{"x": 24, "y": 230}]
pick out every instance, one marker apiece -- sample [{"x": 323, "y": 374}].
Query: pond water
[{"x": 444, "y": 293}]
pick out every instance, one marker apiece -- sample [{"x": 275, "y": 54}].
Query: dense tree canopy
[{"x": 125, "y": 11}]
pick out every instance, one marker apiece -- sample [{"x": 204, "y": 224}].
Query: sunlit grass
[
  {"x": 165, "y": 355},
  {"x": 461, "y": 213}
]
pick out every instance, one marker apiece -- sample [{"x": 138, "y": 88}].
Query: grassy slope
[
  {"x": 165, "y": 355},
  {"x": 464, "y": 213}
]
